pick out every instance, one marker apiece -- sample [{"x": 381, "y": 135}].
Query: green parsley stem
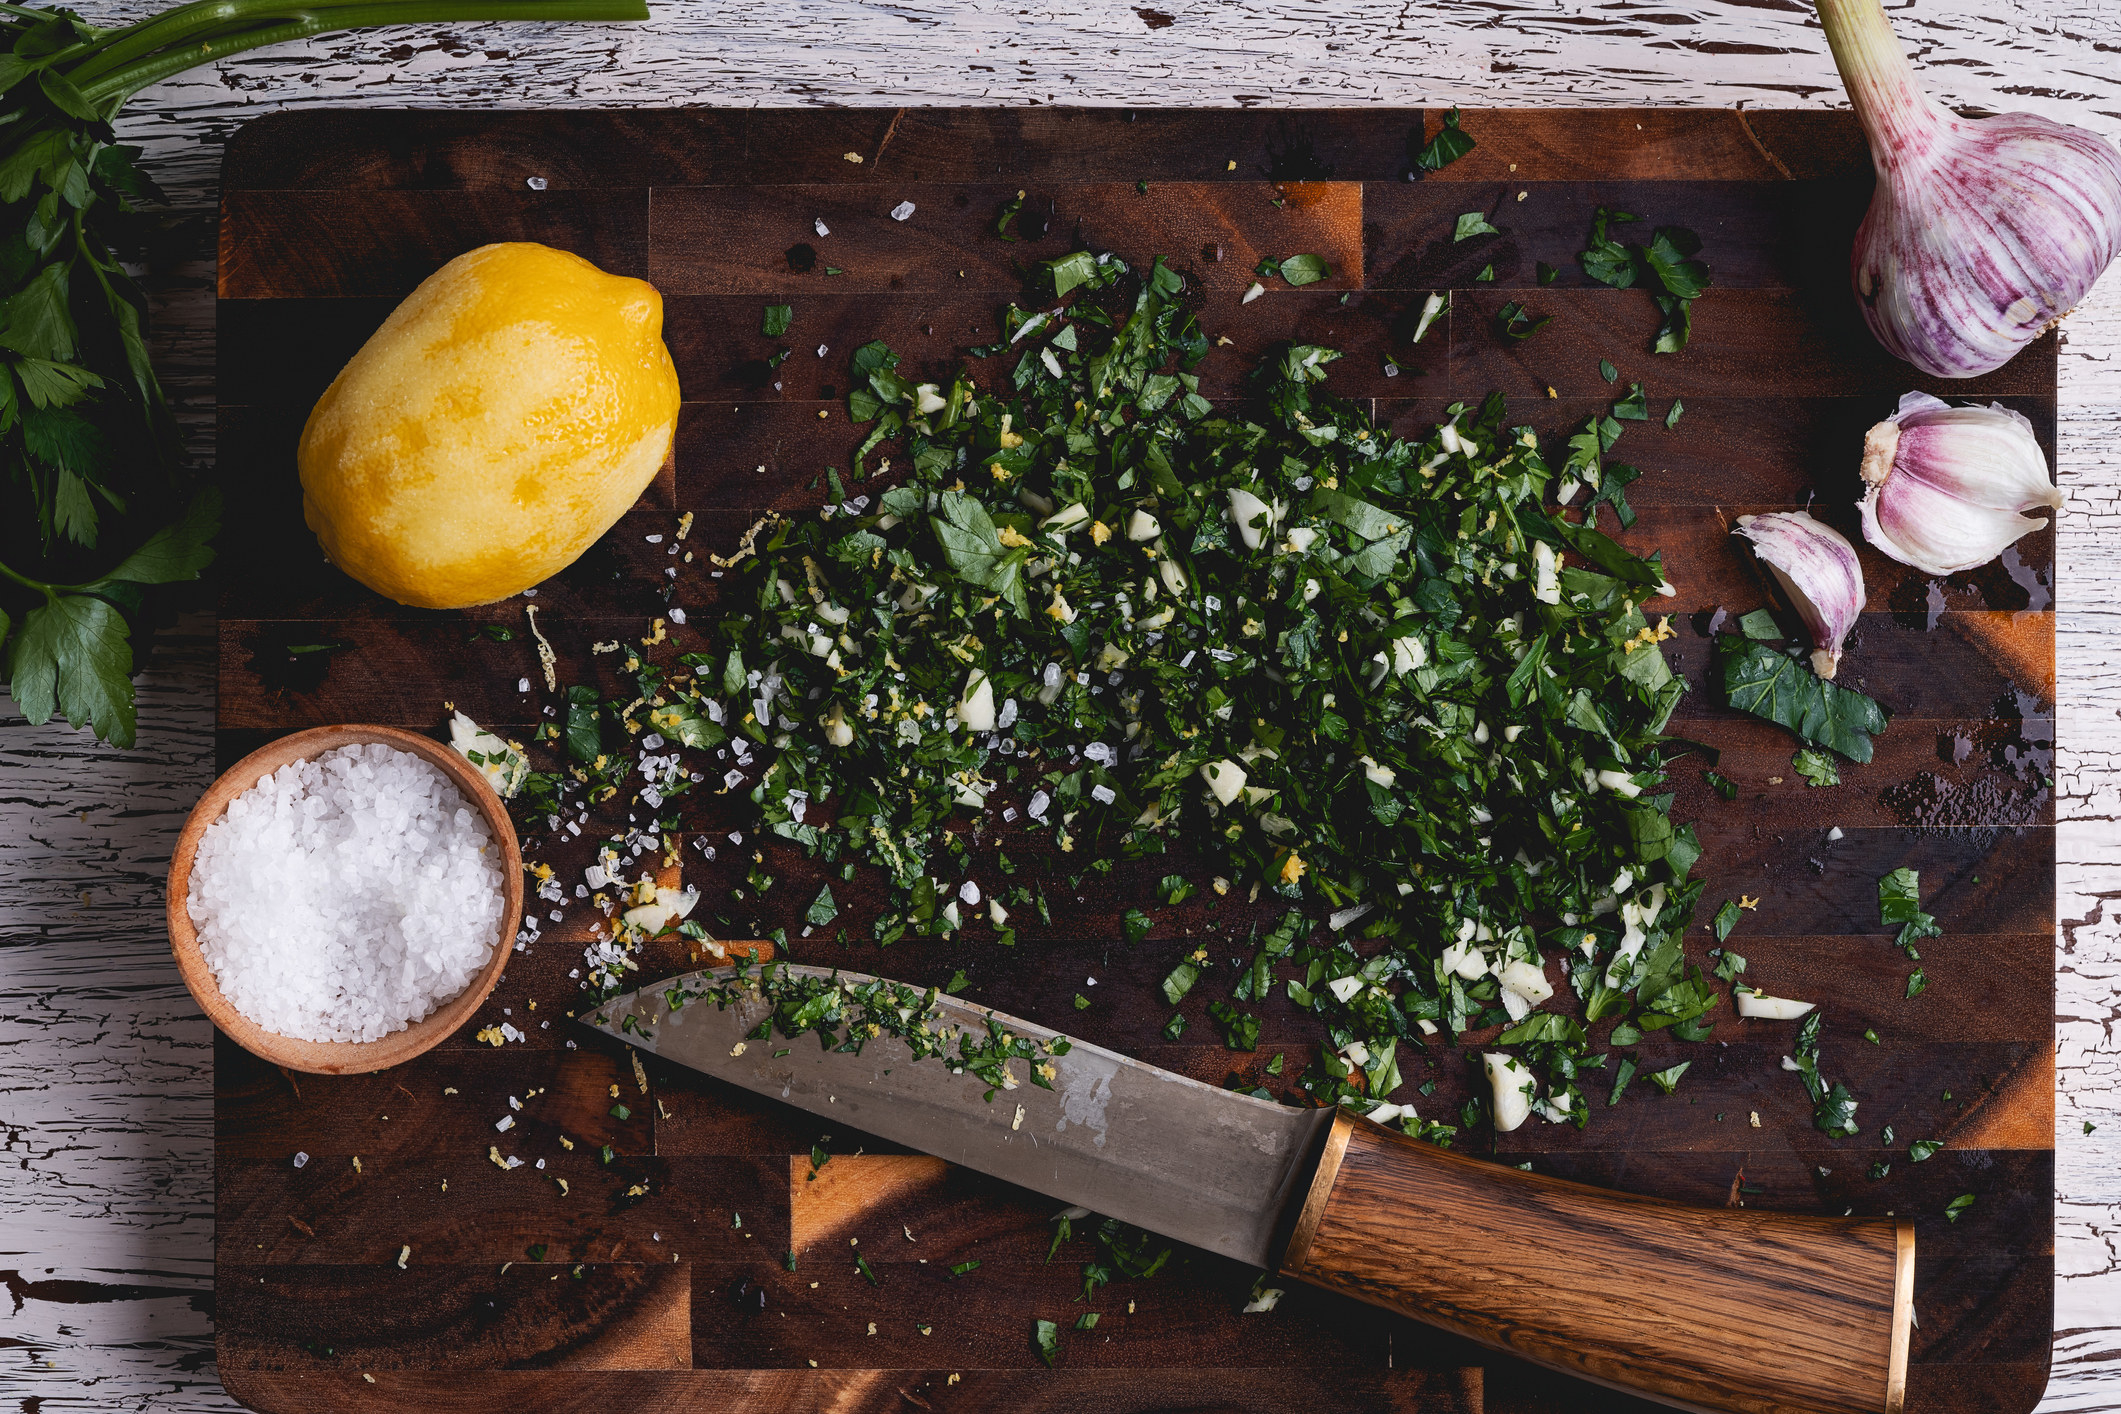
[
  {"x": 148, "y": 61},
  {"x": 49, "y": 591},
  {"x": 121, "y": 46}
]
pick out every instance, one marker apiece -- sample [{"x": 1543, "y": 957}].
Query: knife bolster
[{"x": 1731, "y": 1310}]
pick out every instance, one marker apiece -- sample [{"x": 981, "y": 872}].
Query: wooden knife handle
[{"x": 1722, "y": 1309}]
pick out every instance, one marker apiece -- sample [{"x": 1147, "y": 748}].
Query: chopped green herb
[
  {"x": 1087, "y": 1321},
  {"x": 536, "y": 1251},
  {"x": 1240, "y": 1028},
  {"x": 1005, "y": 218},
  {"x": 1545, "y": 272},
  {"x": 1607, "y": 371},
  {"x": 1304, "y": 269},
  {"x": 1916, "y": 984},
  {"x": 1635, "y": 407},
  {"x": 1816, "y": 767},
  {"x": 776, "y": 320},
  {"x": 1833, "y": 1107},
  {"x": 1450, "y": 143},
  {"x": 1956, "y": 1209},
  {"x": 823, "y": 909},
  {"x": 1474, "y": 223},
  {"x": 1923, "y": 1149},
  {"x": 1772, "y": 685},
  {"x": 1513, "y": 322},
  {"x": 1666, "y": 267},
  {"x": 1899, "y": 901},
  {"x": 861, "y": 1264},
  {"x": 1667, "y": 1079},
  {"x": 1760, "y": 624},
  {"x": 961, "y": 1268},
  {"x": 1045, "y": 1338},
  {"x": 1671, "y": 419},
  {"x": 621, "y": 1112},
  {"x": 1621, "y": 1077},
  {"x": 1727, "y": 918},
  {"x": 1722, "y": 785},
  {"x": 1082, "y": 1003}
]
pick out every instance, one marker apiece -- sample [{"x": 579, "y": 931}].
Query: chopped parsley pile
[{"x": 1378, "y": 678}]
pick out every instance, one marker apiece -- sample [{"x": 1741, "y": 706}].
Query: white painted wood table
[{"x": 106, "y": 1179}]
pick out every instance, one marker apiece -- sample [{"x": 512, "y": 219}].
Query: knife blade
[
  {"x": 1208, "y": 1167},
  {"x": 1731, "y": 1310}
]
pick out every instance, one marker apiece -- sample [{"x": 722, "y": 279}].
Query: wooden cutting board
[{"x": 329, "y": 218}]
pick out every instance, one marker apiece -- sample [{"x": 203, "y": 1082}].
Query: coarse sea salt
[{"x": 346, "y": 897}]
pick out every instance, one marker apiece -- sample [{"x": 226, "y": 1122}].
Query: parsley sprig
[{"x": 98, "y": 508}]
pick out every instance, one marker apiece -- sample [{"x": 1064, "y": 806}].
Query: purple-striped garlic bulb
[
  {"x": 1982, "y": 232},
  {"x": 1946, "y": 489},
  {"x": 1817, "y": 569}
]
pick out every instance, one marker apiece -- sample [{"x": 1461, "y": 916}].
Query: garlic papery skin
[
  {"x": 1819, "y": 572},
  {"x": 1945, "y": 488},
  {"x": 1982, "y": 232}
]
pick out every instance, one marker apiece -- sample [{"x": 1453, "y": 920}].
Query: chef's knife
[{"x": 1724, "y": 1309}]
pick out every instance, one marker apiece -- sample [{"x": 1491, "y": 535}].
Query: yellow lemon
[{"x": 501, "y": 420}]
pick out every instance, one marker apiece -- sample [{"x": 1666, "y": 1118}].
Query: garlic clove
[
  {"x": 1946, "y": 488},
  {"x": 1982, "y": 232},
  {"x": 1255, "y": 518},
  {"x": 975, "y": 705},
  {"x": 1512, "y": 1084},
  {"x": 1817, "y": 569}
]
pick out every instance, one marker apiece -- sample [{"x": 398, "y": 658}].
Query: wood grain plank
[
  {"x": 761, "y": 242},
  {"x": 612, "y": 1316},
  {"x": 401, "y": 1113},
  {"x": 1256, "y": 1389},
  {"x": 486, "y": 1216},
  {"x": 1186, "y": 1318},
  {"x": 1779, "y": 343},
  {"x": 1241, "y": 1390},
  {"x": 381, "y": 244},
  {"x": 696, "y": 146},
  {"x": 333, "y": 1388},
  {"x": 1754, "y": 235},
  {"x": 1727, "y": 449},
  {"x": 726, "y": 491}
]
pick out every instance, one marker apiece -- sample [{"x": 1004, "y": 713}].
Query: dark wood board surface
[{"x": 329, "y": 218}]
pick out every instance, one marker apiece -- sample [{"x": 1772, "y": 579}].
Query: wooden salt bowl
[{"x": 340, "y": 1057}]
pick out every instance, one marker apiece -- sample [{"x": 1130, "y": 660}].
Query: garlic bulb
[
  {"x": 1946, "y": 488},
  {"x": 1982, "y": 232},
  {"x": 1818, "y": 569}
]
